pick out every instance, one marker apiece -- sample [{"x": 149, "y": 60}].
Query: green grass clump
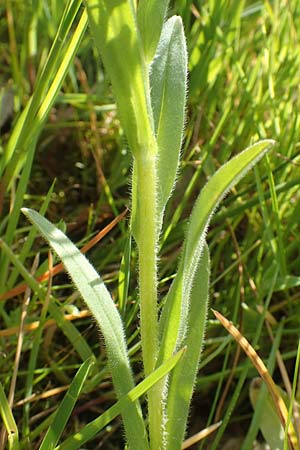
[{"x": 95, "y": 123}]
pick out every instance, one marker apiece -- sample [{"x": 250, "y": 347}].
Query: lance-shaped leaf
[
  {"x": 113, "y": 25},
  {"x": 183, "y": 376},
  {"x": 151, "y": 14},
  {"x": 101, "y": 305},
  {"x": 168, "y": 78},
  {"x": 174, "y": 317}
]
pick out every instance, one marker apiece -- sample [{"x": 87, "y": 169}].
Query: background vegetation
[{"x": 68, "y": 156}]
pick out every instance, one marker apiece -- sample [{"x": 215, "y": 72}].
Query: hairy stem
[{"x": 147, "y": 238}]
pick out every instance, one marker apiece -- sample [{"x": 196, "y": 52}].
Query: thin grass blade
[
  {"x": 269, "y": 422},
  {"x": 124, "y": 275},
  {"x": 36, "y": 112},
  {"x": 90, "y": 430},
  {"x": 70, "y": 331},
  {"x": 99, "y": 301},
  {"x": 275, "y": 394},
  {"x": 9, "y": 421},
  {"x": 66, "y": 407}
]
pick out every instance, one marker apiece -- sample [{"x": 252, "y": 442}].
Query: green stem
[
  {"x": 147, "y": 244},
  {"x": 147, "y": 260}
]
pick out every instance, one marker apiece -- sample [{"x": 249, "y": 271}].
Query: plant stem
[
  {"x": 147, "y": 260},
  {"x": 147, "y": 245}
]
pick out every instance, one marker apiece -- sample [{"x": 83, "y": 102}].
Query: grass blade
[
  {"x": 66, "y": 407},
  {"x": 105, "y": 312},
  {"x": 275, "y": 394},
  {"x": 90, "y": 430},
  {"x": 70, "y": 331},
  {"x": 269, "y": 422},
  {"x": 9, "y": 421},
  {"x": 33, "y": 117}
]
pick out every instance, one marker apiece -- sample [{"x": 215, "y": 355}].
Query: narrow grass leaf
[
  {"x": 258, "y": 397},
  {"x": 99, "y": 301},
  {"x": 16, "y": 211},
  {"x": 183, "y": 376},
  {"x": 150, "y": 16},
  {"x": 174, "y": 317},
  {"x": 70, "y": 331},
  {"x": 23, "y": 126},
  {"x": 66, "y": 407},
  {"x": 168, "y": 79},
  {"x": 30, "y": 238},
  {"x": 292, "y": 402},
  {"x": 9, "y": 421},
  {"x": 90, "y": 430},
  {"x": 36, "y": 112},
  {"x": 269, "y": 422},
  {"x": 275, "y": 394},
  {"x": 124, "y": 275}
]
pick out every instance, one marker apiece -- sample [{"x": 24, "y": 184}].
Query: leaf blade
[
  {"x": 91, "y": 429},
  {"x": 183, "y": 376},
  {"x": 175, "y": 311},
  {"x": 66, "y": 407},
  {"x": 99, "y": 301},
  {"x": 168, "y": 81}
]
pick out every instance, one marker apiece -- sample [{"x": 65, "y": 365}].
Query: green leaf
[
  {"x": 173, "y": 324},
  {"x": 150, "y": 16},
  {"x": 270, "y": 423},
  {"x": 183, "y": 377},
  {"x": 99, "y": 301},
  {"x": 31, "y": 121},
  {"x": 91, "y": 429},
  {"x": 168, "y": 79},
  {"x": 67, "y": 327},
  {"x": 124, "y": 275},
  {"x": 66, "y": 407},
  {"x": 113, "y": 25},
  {"x": 9, "y": 421}
]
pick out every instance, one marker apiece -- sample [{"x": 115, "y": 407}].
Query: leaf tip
[
  {"x": 25, "y": 211},
  {"x": 216, "y": 313}
]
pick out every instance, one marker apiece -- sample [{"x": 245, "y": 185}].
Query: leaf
[
  {"x": 183, "y": 376},
  {"x": 274, "y": 392},
  {"x": 66, "y": 407},
  {"x": 270, "y": 423},
  {"x": 91, "y": 429},
  {"x": 9, "y": 421},
  {"x": 31, "y": 121},
  {"x": 168, "y": 80},
  {"x": 99, "y": 301},
  {"x": 173, "y": 324},
  {"x": 124, "y": 275},
  {"x": 150, "y": 16},
  {"x": 113, "y": 25}
]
